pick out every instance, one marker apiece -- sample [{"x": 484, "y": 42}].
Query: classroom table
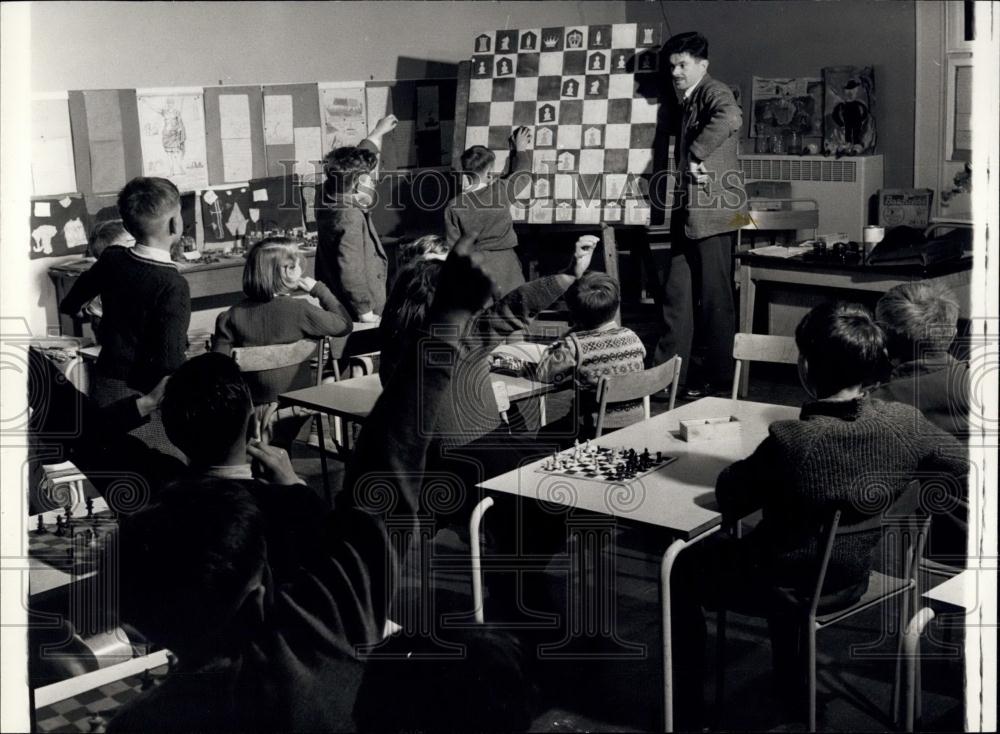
[
  {"x": 679, "y": 498},
  {"x": 353, "y": 399}
]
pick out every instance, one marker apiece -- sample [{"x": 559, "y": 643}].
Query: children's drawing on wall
[
  {"x": 343, "y": 110},
  {"x": 58, "y": 226},
  {"x": 849, "y": 112},
  {"x": 789, "y": 105},
  {"x": 172, "y": 135}
]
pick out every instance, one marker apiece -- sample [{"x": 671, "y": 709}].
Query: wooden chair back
[
  {"x": 761, "y": 348},
  {"x": 637, "y": 385}
]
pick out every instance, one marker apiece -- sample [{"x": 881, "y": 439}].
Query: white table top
[
  {"x": 679, "y": 496},
  {"x": 354, "y": 398},
  {"x": 960, "y": 591}
]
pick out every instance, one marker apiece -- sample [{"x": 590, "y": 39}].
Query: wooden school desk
[{"x": 679, "y": 498}]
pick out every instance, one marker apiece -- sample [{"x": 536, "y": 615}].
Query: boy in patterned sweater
[{"x": 596, "y": 347}]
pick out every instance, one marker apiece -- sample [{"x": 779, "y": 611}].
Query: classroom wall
[
  {"x": 778, "y": 38},
  {"x": 110, "y": 45}
]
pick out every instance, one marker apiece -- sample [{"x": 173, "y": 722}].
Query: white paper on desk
[
  {"x": 307, "y": 150},
  {"x": 781, "y": 251},
  {"x": 278, "y": 119},
  {"x": 237, "y": 159},
  {"x": 43, "y": 209},
  {"x": 234, "y": 116}
]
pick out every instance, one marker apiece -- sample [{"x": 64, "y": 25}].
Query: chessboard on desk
[
  {"x": 590, "y": 96},
  {"x": 603, "y": 463}
]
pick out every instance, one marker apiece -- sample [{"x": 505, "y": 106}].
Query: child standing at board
[
  {"x": 350, "y": 259},
  {"x": 484, "y": 207},
  {"x": 146, "y": 301}
]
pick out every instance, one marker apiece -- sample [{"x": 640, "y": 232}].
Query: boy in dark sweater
[
  {"x": 847, "y": 452},
  {"x": 260, "y": 653},
  {"x": 146, "y": 302},
  {"x": 484, "y": 207},
  {"x": 350, "y": 259}
]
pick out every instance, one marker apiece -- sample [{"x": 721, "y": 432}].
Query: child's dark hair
[
  {"x": 145, "y": 200},
  {"x": 343, "y": 166},
  {"x": 105, "y": 234},
  {"x": 842, "y": 345},
  {"x": 186, "y": 560},
  {"x": 206, "y": 406},
  {"x": 458, "y": 681},
  {"x": 593, "y": 300},
  {"x": 429, "y": 244},
  {"x": 478, "y": 160},
  {"x": 692, "y": 43},
  {"x": 411, "y": 297}
]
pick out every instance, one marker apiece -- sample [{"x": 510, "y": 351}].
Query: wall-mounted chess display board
[{"x": 589, "y": 94}]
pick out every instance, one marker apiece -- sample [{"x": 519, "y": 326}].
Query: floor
[{"x": 619, "y": 687}]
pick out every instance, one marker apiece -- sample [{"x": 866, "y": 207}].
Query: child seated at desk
[
  {"x": 595, "y": 347},
  {"x": 484, "y": 207},
  {"x": 350, "y": 258},
  {"x": 847, "y": 451},
  {"x": 269, "y": 315}
]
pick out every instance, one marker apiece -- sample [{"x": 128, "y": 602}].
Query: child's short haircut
[
  {"x": 143, "y": 201},
  {"x": 842, "y": 345},
  {"x": 206, "y": 406},
  {"x": 186, "y": 561},
  {"x": 344, "y": 166},
  {"x": 107, "y": 233},
  {"x": 916, "y": 317},
  {"x": 692, "y": 43},
  {"x": 263, "y": 275},
  {"x": 478, "y": 160},
  {"x": 410, "y": 299},
  {"x": 429, "y": 244},
  {"x": 593, "y": 300}
]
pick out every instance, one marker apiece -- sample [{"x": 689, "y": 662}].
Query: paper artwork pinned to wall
[{"x": 172, "y": 136}]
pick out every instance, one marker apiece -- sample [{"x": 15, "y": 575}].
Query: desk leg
[
  {"x": 476, "y": 549},
  {"x": 666, "y": 569},
  {"x": 911, "y": 658},
  {"x": 748, "y": 295},
  {"x": 542, "y": 418}
]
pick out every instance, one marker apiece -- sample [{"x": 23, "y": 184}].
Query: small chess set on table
[
  {"x": 74, "y": 543},
  {"x": 92, "y": 710},
  {"x": 604, "y": 464}
]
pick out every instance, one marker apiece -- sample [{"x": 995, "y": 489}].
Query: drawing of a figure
[{"x": 173, "y": 134}]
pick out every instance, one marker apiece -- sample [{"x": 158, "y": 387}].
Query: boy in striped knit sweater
[{"x": 596, "y": 347}]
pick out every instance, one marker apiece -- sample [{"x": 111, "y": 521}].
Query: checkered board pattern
[
  {"x": 585, "y": 92},
  {"x": 74, "y": 555},
  {"x": 73, "y": 714}
]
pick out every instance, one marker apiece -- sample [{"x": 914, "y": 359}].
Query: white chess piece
[
  {"x": 482, "y": 68},
  {"x": 647, "y": 35},
  {"x": 595, "y": 62},
  {"x": 597, "y": 38},
  {"x": 504, "y": 43},
  {"x": 595, "y": 86},
  {"x": 621, "y": 61},
  {"x": 547, "y": 115}
]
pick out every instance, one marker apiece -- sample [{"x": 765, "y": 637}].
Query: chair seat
[{"x": 880, "y": 588}]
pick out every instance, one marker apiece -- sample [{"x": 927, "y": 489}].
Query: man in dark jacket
[{"x": 708, "y": 206}]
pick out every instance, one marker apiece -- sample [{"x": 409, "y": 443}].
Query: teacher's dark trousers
[{"x": 698, "y": 289}]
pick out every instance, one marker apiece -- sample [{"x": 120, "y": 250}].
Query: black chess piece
[
  {"x": 97, "y": 724},
  {"x": 41, "y": 529},
  {"x": 147, "y": 680},
  {"x": 659, "y": 456},
  {"x": 60, "y": 527},
  {"x": 90, "y": 507}
]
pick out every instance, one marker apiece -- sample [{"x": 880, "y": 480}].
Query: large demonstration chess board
[{"x": 590, "y": 96}]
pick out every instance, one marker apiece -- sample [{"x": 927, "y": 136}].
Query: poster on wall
[
  {"x": 172, "y": 135},
  {"x": 787, "y": 105},
  {"x": 849, "y": 110},
  {"x": 52, "y": 166},
  {"x": 342, "y": 109},
  {"x": 59, "y": 226}
]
